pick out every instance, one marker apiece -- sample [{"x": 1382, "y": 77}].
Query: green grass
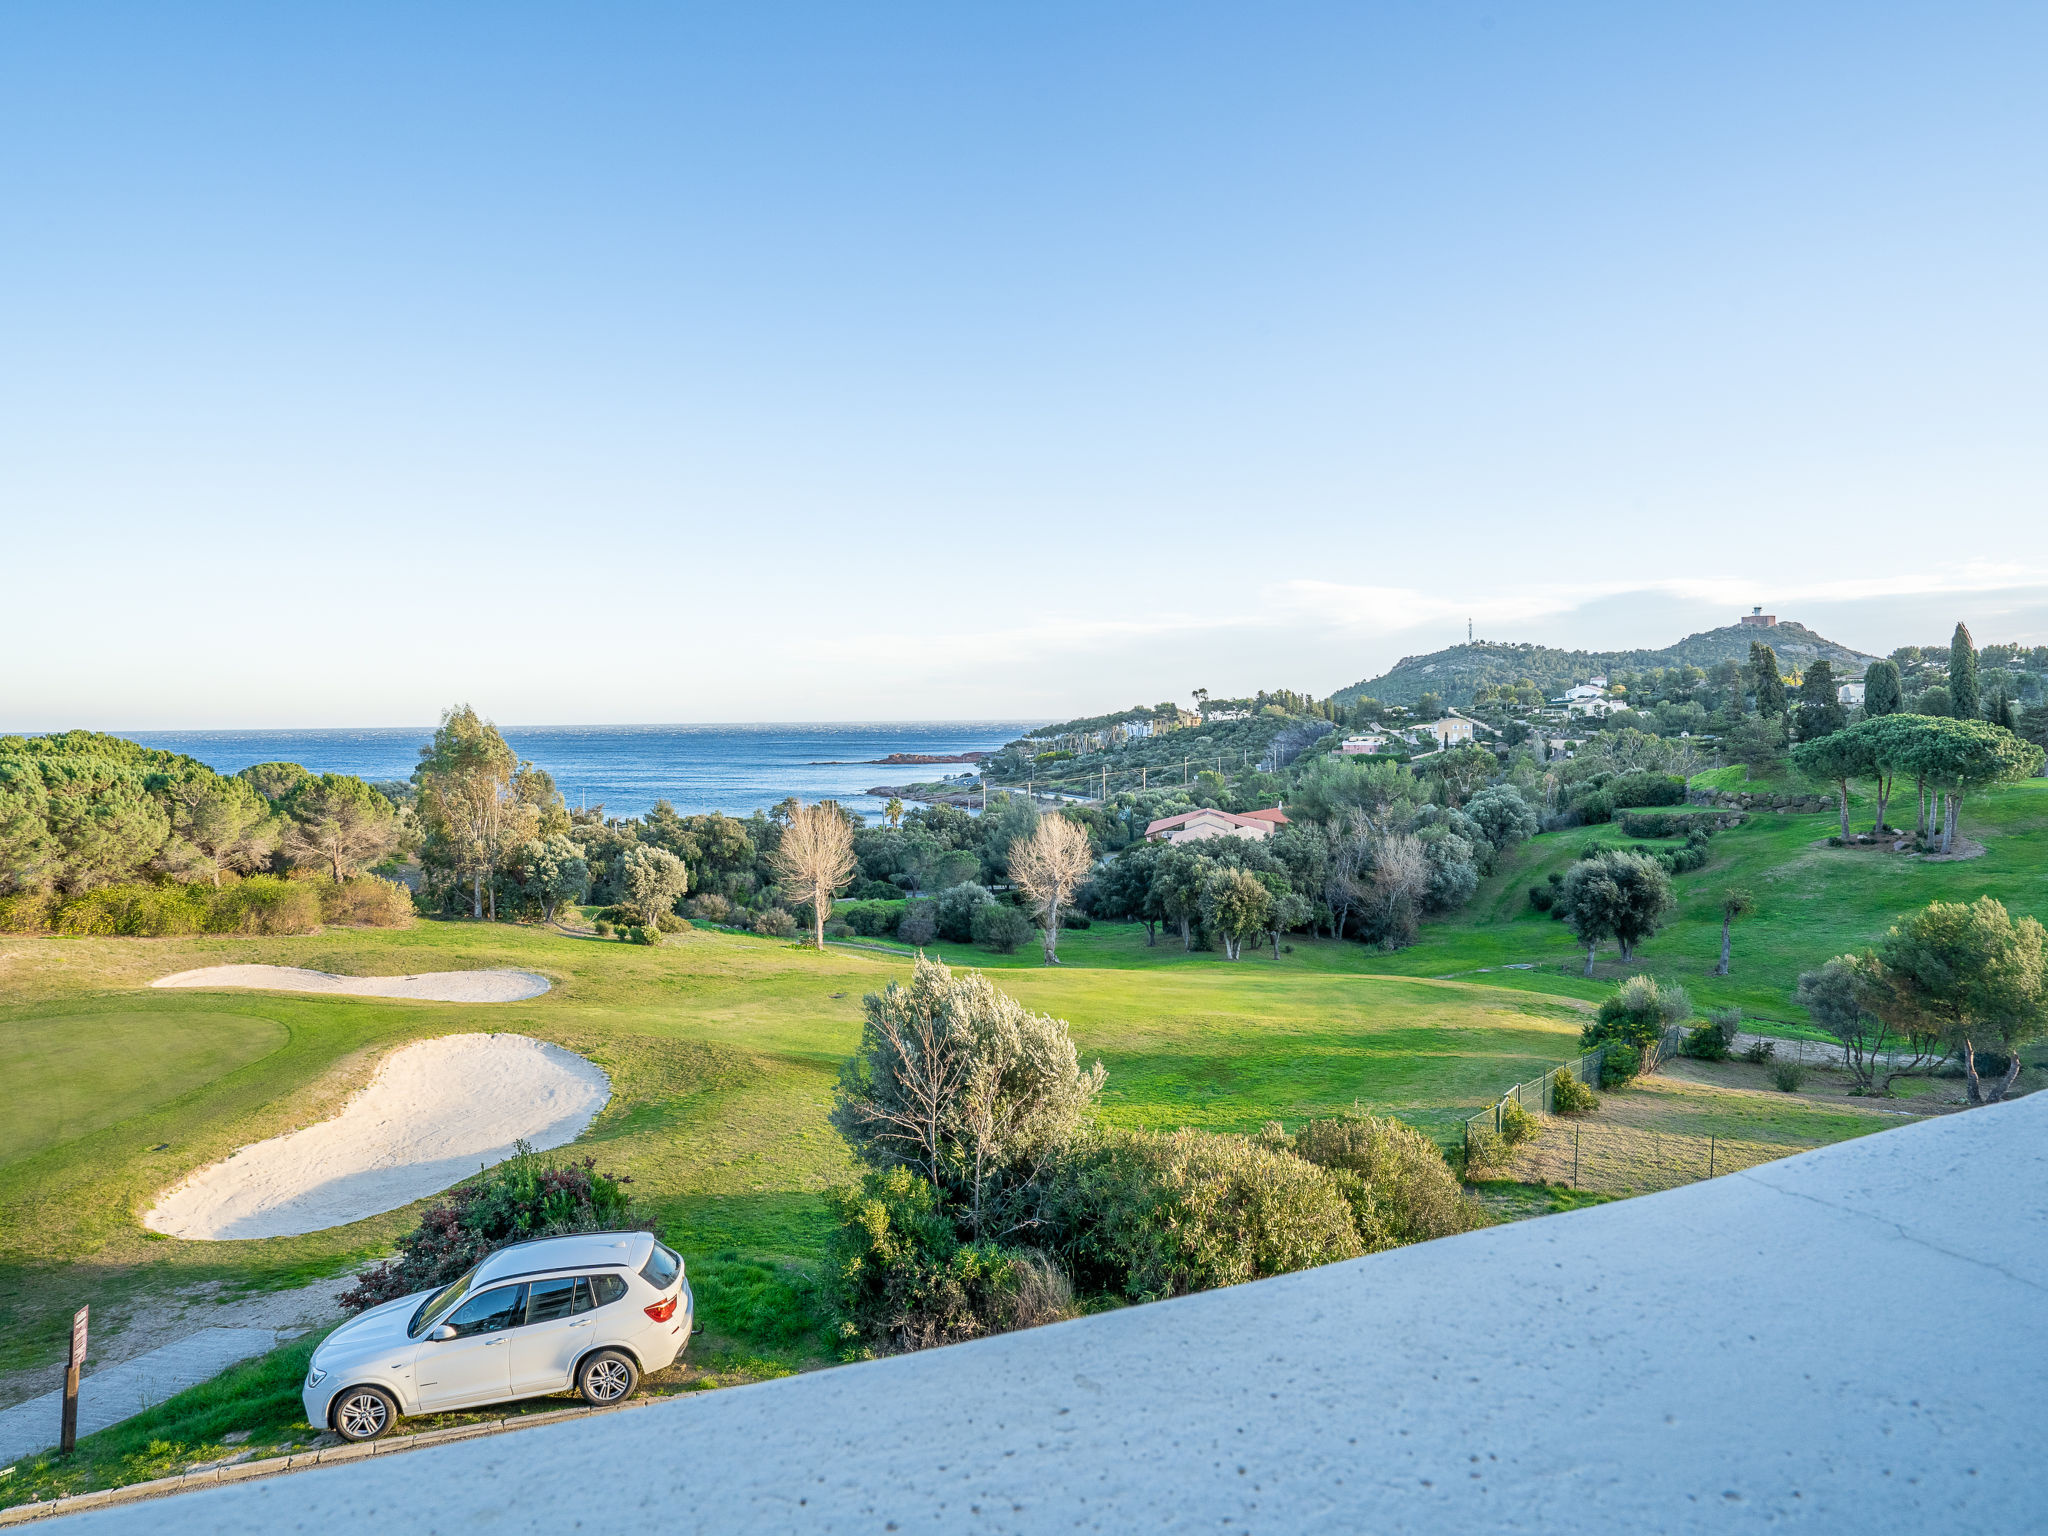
[{"x": 723, "y": 1049}]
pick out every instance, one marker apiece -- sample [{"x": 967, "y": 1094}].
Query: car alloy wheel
[
  {"x": 363, "y": 1414},
  {"x": 608, "y": 1378}
]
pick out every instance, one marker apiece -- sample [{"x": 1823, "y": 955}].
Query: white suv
[{"x": 594, "y": 1311}]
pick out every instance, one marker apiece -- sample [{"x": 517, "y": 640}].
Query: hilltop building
[
  {"x": 1756, "y": 618},
  {"x": 1363, "y": 746}
]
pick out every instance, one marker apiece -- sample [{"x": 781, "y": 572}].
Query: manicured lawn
[{"x": 722, "y": 1050}]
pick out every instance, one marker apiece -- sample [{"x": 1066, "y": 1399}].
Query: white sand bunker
[
  {"x": 430, "y": 987},
  {"x": 435, "y": 1112}
]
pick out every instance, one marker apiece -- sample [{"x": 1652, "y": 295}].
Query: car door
[
  {"x": 472, "y": 1367},
  {"x": 557, "y": 1330}
]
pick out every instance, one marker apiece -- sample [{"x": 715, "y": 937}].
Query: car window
[
  {"x": 607, "y": 1289},
  {"x": 549, "y": 1299},
  {"x": 490, "y": 1312},
  {"x": 661, "y": 1268},
  {"x": 437, "y": 1306}
]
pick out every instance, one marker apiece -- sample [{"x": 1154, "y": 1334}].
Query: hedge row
[{"x": 261, "y": 904}]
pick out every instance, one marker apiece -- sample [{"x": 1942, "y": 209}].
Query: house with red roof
[{"x": 1192, "y": 826}]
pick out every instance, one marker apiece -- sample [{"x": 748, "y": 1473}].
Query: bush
[
  {"x": 1396, "y": 1182},
  {"x": 901, "y": 1279},
  {"x": 920, "y": 924},
  {"x": 1517, "y": 1124},
  {"x": 642, "y": 935},
  {"x": 261, "y": 904},
  {"x": 1594, "y": 807},
  {"x": 1710, "y": 1042},
  {"x": 1154, "y": 1214},
  {"x": 604, "y": 929},
  {"x": 1636, "y": 1012},
  {"x": 1541, "y": 897},
  {"x": 1569, "y": 1096},
  {"x": 774, "y": 923},
  {"x": 524, "y": 1197},
  {"x": 838, "y": 928},
  {"x": 366, "y": 902},
  {"x": 956, "y": 907},
  {"x": 1620, "y": 1065},
  {"x": 1787, "y": 1076},
  {"x": 709, "y": 907},
  {"x": 1639, "y": 789},
  {"x": 1074, "y": 917},
  {"x": 1485, "y": 1149},
  {"x": 1757, "y": 1052},
  {"x": 668, "y": 922},
  {"x": 1001, "y": 927},
  {"x": 871, "y": 919}
]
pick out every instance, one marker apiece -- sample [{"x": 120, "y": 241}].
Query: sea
[{"x": 737, "y": 769}]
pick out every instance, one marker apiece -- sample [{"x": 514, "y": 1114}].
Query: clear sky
[{"x": 663, "y": 362}]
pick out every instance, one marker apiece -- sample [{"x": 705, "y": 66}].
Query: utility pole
[{"x": 1105, "y": 783}]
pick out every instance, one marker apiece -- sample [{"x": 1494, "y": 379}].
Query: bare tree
[
  {"x": 815, "y": 856},
  {"x": 1049, "y": 867}
]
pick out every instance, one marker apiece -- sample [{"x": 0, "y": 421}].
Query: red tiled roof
[
  {"x": 1167, "y": 824},
  {"x": 1277, "y": 816}
]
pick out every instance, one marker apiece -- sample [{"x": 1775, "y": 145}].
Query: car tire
[
  {"x": 607, "y": 1377},
  {"x": 363, "y": 1413}
]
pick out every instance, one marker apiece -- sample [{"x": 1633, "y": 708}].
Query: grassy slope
[{"x": 1813, "y": 902}]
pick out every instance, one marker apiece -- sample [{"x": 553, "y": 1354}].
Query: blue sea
[{"x": 737, "y": 769}]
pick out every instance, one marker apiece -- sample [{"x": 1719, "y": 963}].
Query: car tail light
[{"x": 662, "y": 1311}]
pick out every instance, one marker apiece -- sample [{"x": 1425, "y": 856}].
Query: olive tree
[
  {"x": 652, "y": 880},
  {"x": 1974, "y": 975},
  {"x": 1850, "y": 999},
  {"x": 1619, "y": 895},
  {"x": 963, "y": 1086},
  {"x": 1235, "y": 906},
  {"x": 1734, "y": 904},
  {"x": 554, "y": 871}
]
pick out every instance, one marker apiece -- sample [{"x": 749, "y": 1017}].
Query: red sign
[{"x": 78, "y": 1320}]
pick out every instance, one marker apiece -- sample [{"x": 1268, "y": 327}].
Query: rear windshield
[
  {"x": 441, "y": 1303},
  {"x": 661, "y": 1268}
]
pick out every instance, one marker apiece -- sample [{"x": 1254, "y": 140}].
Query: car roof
[{"x": 577, "y": 1250}]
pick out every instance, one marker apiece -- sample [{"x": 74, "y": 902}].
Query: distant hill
[{"x": 1453, "y": 674}]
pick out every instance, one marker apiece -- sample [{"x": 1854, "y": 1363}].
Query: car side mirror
[{"x": 445, "y": 1331}]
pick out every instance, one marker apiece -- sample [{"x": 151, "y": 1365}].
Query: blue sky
[{"x": 623, "y": 362}]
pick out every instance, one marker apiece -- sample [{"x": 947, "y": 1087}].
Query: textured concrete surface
[
  {"x": 1850, "y": 1340},
  {"x": 118, "y": 1392}
]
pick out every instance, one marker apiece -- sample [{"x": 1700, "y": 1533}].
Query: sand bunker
[
  {"x": 432, "y": 987},
  {"x": 434, "y": 1113}
]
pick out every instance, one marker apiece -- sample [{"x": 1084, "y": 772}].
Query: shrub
[
  {"x": 871, "y": 919},
  {"x": 838, "y": 928},
  {"x": 956, "y": 907},
  {"x": 1396, "y": 1182},
  {"x": 1710, "y": 1042},
  {"x": 366, "y": 902},
  {"x": 774, "y": 923},
  {"x": 604, "y": 929},
  {"x": 1787, "y": 1076},
  {"x": 27, "y": 912},
  {"x": 1569, "y": 1096},
  {"x": 1485, "y": 1149},
  {"x": 1620, "y": 1065},
  {"x": 1518, "y": 1124},
  {"x": 261, "y": 904},
  {"x": 1757, "y": 1052},
  {"x": 524, "y": 1197},
  {"x": 1594, "y": 807},
  {"x": 1542, "y": 897},
  {"x": 920, "y": 924},
  {"x": 1636, "y": 1012},
  {"x": 1639, "y": 789},
  {"x": 643, "y": 935},
  {"x": 1001, "y": 927},
  {"x": 1074, "y": 917},
  {"x": 1156, "y": 1214},
  {"x": 668, "y": 922},
  {"x": 709, "y": 907},
  {"x": 901, "y": 1279}
]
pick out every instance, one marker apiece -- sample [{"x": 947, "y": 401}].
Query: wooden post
[
  {"x": 69, "y": 1441},
  {"x": 1577, "y": 1131},
  {"x": 1712, "y": 1142}
]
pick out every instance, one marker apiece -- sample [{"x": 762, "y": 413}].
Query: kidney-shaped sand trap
[
  {"x": 429, "y": 987},
  {"x": 435, "y": 1112}
]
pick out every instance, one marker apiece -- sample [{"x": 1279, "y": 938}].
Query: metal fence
[{"x": 1539, "y": 1094}]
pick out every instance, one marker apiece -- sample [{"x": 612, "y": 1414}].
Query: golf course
[{"x": 721, "y": 1050}]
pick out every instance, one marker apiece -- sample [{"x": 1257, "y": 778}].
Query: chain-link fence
[
  {"x": 1539, "y": 1095},
  {"x": 1592, "y": 1154}
]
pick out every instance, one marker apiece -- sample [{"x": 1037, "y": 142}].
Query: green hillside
[{"x": 1454, "y": 673}]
